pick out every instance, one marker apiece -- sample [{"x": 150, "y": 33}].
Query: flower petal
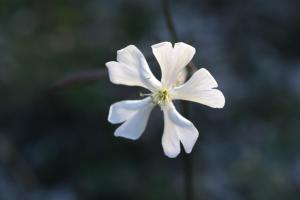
[
  {"x": 181, "y": 77},
  {"x": 199, "y": 88},
  {"x": 176, "y": 129},
  {"x": 134, "y": 114},
  {"x": 172, "y": 60},
  {"x": 132, "y": 69},
  {"x": 183, "y": 53},
  {"x": 163, "y": 53}
]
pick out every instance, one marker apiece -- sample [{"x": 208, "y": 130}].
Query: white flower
[{"x": 132, "y": 69}]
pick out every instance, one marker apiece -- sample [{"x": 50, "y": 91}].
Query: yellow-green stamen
[{"x": 161, "y": 97}]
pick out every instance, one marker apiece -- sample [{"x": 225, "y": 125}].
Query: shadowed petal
[
  {"x": 134, "y": 114},
  {"x": 177, "y": 129}
]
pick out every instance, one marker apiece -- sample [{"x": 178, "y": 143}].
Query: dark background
[{"x": 56, "y": 144}]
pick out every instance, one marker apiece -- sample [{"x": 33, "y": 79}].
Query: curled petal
[
  {"x": 134, "y": 114},
  {"x": 181, "y": 77},
  {"x": 132, "y": 69},
  {"x": 200, "y": 88},
  {"x": 177, "y": 129},
  {"x": 172, "y": 60}
]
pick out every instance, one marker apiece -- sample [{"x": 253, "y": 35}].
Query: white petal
[
  {"x": 199, "y": 88},
  {"x": 181, "y": 77},
  {"x": 134, "y": 114},
  {"x": 172, "y": 60},
  {"x": 176, "y": 129},
  {"x": 163, "y": 53},
  {"x": 132, "y": 69},
  {"x": 183, "y": 53}
]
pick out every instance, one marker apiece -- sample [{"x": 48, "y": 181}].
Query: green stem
[
  {"x": 189, "y": 190},
  {"x": 169, "y": 20},
  {"x": 187, "y": 158}
]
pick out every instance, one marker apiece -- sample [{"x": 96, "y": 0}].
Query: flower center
[{"x": 161, "y": 97}]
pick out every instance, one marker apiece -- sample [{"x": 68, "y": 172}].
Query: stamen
[
  {"x": 177, "y": 83},
  {"x": 144, "y": 95},
  {"x": 161, "y": 97}
]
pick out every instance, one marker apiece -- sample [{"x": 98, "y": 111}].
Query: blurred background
[{"x": 55, "y": 141}]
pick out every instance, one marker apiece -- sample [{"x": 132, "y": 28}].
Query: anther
[{"x": 144, "y": 95}]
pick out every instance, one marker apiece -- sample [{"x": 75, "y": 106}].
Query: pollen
[{"x": 161, "y": 97}]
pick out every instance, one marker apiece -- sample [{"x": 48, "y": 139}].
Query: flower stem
[
  {"x": 189, "y": 190},
  {"x": 169, "y": 20},
  {"x": 187, "y": 158}
]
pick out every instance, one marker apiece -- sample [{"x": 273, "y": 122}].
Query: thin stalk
[
  {"x": 169, "y": 20},
  {"x": 187, "y": 158}
]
